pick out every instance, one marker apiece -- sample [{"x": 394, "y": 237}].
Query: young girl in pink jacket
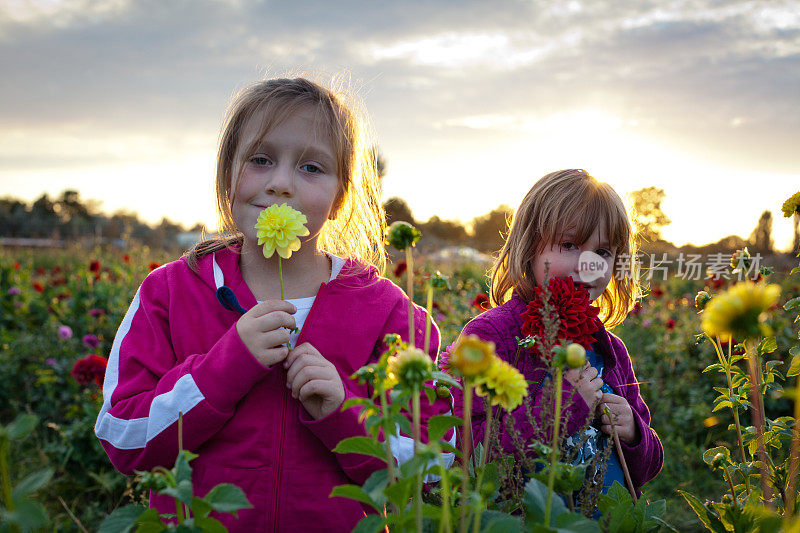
[{"x": 259, "y": 414}]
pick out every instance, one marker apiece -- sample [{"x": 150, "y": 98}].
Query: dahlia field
[{"x": 59, "y": 311}]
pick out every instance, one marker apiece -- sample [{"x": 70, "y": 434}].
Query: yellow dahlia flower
[
  {"x": 503, "y": 384},
  {"x": 740, "y": 311},
  {"x": 470, "y": 356},
  {"x": 411, "y": 366},
  {"x": 278, "y": 228},
  {"x": 792, "y": 205}
]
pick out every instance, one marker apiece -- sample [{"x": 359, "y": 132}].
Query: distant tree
[
  {"x": 761, "y": 238},
  {"x": 397, "y": 209},
  {"x": 648, "y": 217},
  {"x": 489, "y": 231},
  {"x": 446, "y": 230},
  {"x": 13, "y": 217},
  {"x": 44, "y": 220}
]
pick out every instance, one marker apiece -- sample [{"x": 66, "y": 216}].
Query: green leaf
[
  {"x": 711, "y": 522},
  {"x": 209, "y": 525},
  {"x": 447, "y": 379},
  {"x": 795, "y": 270},
  {"x": 791, "y": 304},
  {"x": 400, "y": 492},
  {"x": 27, "y": 514},
  {"x": 32, "y": 483},
  {"x": 576, "y": 523},
  {"x": 767, "y": 345},
  {"x": 708, "y": 455},
  {"x": 200, "y": 508},
  {"x": 227, "y": 498},
  {"x": 183, "y": 472},
  {"x": 122, "y": 519},
  {"x": 354, "y": 492},
  {"x": 21, "y": 427},
  {"x": 535, "y": 500},
  {"x": 794, "y": 368},
  {"x": 362, "y": 445},
  {"x": 182, "y": 492},
  {"x": 438, "y": 426},
  {"x": 375, "y": 484},
  {"x": 372, "y": 523},
  {"x": 497, "y": 522}
]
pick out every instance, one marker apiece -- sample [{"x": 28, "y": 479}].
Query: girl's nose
[{"x": 280, "y": 181}]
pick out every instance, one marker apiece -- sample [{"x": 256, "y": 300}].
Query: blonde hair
[
  {"x": 356, "y": 230},
  {"x": 543, "y": 216}
]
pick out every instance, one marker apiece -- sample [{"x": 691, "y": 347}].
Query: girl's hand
[
  {"x": 621, "y": 415},
  {"x": 588, "y": 384},
  {"x": 264, "y": 329},
  {"x": 314, "y": 381}
]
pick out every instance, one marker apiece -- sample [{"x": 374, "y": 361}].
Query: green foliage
[{"x": 192, "y": 513}]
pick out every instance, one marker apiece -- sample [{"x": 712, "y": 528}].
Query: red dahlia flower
[
  {"x": 90, "y": 368},
  {"x": 400, "y": 268},
  {"x": 571, "y": 305},
  {"x": 94, "y": 266},
  {"x": 481, "y": 301}
]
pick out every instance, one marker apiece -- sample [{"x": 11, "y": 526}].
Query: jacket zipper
[
  {"x": 279, "y": 459},
  {"x": 279, "y": 463}
]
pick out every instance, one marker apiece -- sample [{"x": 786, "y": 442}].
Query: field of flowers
[{"x": 59, "y": 311}]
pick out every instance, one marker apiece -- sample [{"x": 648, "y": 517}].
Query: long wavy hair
[
  {"x": 356, "y": 230},
  {"x": 543, "y": 216}
]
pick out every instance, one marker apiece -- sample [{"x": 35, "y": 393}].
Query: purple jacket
[
  {"x": 503, "y": 325},
  {"x": 177, "y": 349}
]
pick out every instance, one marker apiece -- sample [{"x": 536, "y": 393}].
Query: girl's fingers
[
  {"x": 295, "y": 363},
  {"x": 307, "y": 374},
  {"x": 274, "y": 320},
  {"x": 269, "y": 306}
]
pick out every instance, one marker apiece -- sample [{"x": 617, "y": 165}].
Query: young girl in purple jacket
[
  {"x": 259, "y": 414},
  {"x": 571, "y": 225}
]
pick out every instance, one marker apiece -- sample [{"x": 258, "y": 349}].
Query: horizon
[{"x": 122, "y": 101}]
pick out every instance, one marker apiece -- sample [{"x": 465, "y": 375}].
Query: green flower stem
[
  {"x": 280, "y": 275},
  {"x": 418, "y": 481},
  {"x": 388, "y": 445},
  {"x": 444, "y": 525},
  {"x": 734, "y": 409},
  {"x": 389, "y": 455},
  {"x": 754, "y": 367},
  {"x": 551, "y": 478},
  {"x": 4, "y": 447},
  {"x": 730, "y": 483},
  {"x": 410, "y": 290},
  {"x": 487, "y": 432},
  {"x": 795, "y": 449},
  {"x": 429, "y": 307},
  {"x": 466, "y": 432}
]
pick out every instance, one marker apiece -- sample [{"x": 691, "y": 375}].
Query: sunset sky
[{"x": 470, "y": 101}]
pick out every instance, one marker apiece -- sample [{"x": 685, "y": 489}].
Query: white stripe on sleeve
[{"x": 135, "y": 433}]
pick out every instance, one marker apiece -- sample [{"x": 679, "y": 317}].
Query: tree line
[{"x": 67, "y": 217}]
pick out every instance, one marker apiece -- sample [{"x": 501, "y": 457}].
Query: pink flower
[
  {"x": 96, "y": 312},
  {"x": 64, "y": 332},
  {"x": 13, "y": 290},
  {"x": 91, "y": 341},
  {"x": 50, "y": 361}
]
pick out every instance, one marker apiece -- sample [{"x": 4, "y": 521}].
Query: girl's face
[
  {"x": 590, "y": 264},
  {"x": 294, "y": 163}
]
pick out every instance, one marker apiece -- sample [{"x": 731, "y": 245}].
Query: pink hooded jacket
[{"x": 177, "y": 349}]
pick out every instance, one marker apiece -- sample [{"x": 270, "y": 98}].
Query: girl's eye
[
  {"x": 259, "y": 160},
  {"x": 602, "y": 252},
  {"x": 567, "y": 246},
  {"x": 310, "y": 168}
]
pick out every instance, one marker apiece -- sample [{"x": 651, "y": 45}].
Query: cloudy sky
[{"x": 470, "y": 101}]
